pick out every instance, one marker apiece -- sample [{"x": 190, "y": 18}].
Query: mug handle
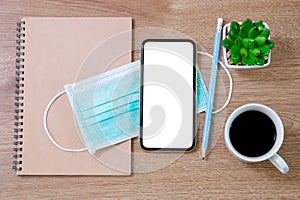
[{"x": 279, "y": 163}]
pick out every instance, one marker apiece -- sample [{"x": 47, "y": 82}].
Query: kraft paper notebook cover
[{"x": 54, "y": 50}]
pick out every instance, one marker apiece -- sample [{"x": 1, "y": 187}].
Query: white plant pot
[{"x": 225, "y": 30}]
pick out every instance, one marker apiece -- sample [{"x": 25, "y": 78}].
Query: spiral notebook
[{"x": 50, "y": 53}]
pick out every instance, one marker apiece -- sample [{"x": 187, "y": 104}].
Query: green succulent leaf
[
  {"x": 238, "y": 42},
  {"x": 259, "y": 24},
  {"x": 255, "y": 52},
  {"x": 234, "y": 50},
  {"x": 253, "y": 32},
  {"x": 260, "y": 41},
  {"x": 227, "y": 43},
  {"x": 264, "y": 32},
  {"x": 264, "y": 50},
  {"x": 244, "y": 52},
  {"x": 235, "y": 59},
  {"x": 260, "y": 60},
  {"x": 248, "y": 24},
  {"x": 245, "y": 42},
  {"x": 249, "y": 60},
  {"x": 251, "y": 44},
  {"x": 270, "y": 43},
  {"x": 243, "y": 33},
  {"x": 235, "y": 27},
  {"x": 232, "y": 35}
]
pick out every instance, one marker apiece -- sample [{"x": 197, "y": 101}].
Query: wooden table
[{"x": 220, "y": 177}]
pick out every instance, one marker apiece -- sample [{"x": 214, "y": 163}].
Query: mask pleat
[{"x": 111, "y": 114}]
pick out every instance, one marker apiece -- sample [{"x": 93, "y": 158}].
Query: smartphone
[{"x": 168, "y": 95}]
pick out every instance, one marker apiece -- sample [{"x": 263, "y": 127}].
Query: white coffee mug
[{"x": 271, "y": 155}]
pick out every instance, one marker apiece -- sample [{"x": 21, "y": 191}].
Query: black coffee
[{"x": 252, "y": 133}]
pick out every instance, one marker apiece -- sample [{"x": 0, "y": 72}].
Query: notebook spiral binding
[{"x": 18, "y": 124}]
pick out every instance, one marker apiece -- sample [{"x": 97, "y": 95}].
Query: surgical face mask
[{"x": 106, "y": 106}]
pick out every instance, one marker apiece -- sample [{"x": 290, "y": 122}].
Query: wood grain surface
[{"x": 220, "y": 177}]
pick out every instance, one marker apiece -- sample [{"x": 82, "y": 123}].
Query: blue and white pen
[{"x": 212, "y": 85}]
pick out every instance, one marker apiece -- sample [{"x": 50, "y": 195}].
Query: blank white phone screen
[{"x": 168, "y": 95}]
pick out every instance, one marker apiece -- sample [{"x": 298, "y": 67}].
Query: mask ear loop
[
  {"x": 46, "y": 126},
  {"x": 230, "y": 83}
]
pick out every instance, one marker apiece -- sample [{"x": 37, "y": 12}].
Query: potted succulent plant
[{"x": 247, "y": 44}]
